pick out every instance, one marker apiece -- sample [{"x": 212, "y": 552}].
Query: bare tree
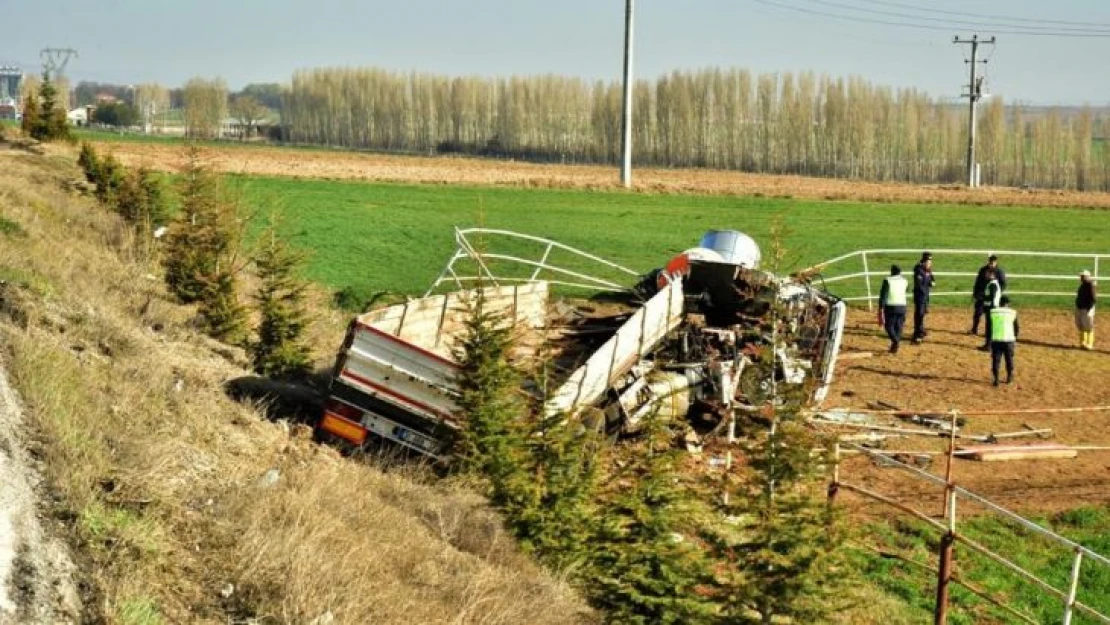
[
  {"x": 813, "y": 125},
  {"x": 205, "y": 107},
  {"x": 249, "y": 111}
]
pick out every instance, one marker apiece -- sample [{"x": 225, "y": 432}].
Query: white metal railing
[
  {"x": 481, "y": 256},
  {"x": 865, "y": 276},
  {"x": 952, "y": 494}
]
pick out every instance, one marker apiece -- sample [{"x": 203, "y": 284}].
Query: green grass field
[
  {"x": 371, "y": 237},
  {"x": 916, "y": 587}
]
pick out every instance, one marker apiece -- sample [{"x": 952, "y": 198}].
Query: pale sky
[{"x": 243, "y": 41}]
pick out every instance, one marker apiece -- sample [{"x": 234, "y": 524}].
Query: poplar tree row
[{"x": 729, "y": 119}]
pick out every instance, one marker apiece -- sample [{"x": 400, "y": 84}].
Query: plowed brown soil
[
  {"x": 946, "y": 372},
  {"x": 347, "y": 165}
]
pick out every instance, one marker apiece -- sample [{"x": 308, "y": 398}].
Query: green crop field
[{"x": 372, "y": 237}]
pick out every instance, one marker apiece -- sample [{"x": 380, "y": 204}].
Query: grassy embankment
[
  {"x": 186, "y": 506},
  {"x": 915, "y": 587},
  {"x": 391, "y": 237}
]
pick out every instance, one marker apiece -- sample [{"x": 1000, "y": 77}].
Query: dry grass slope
[{"x": 165, "y": 482}]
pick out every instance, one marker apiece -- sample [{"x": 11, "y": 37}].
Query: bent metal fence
[
  {"x": 503, "y": 256},
  {"x": 953, "y": 494},
  {"x": 856, "y": 276}
]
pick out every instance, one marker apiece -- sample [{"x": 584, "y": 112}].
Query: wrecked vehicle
[{"x": 707, "y": 335}]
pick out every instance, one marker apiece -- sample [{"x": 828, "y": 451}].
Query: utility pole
[
  {"x": 626, "y": 118},
  {"x": 974, "y": 93},
  {"x": 54, "y": 60}
]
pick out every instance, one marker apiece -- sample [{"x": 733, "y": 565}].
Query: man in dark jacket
[
  {"x": 1085, "y": 310},
  {"x": 977, "y": 292},
  {"x": 923, "y": 283}
]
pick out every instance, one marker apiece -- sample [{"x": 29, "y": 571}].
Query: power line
[
  {"x": 1033, "y": 20},
  {"x": 867, "y": 20},
  {"x": 980, "y": 23}
]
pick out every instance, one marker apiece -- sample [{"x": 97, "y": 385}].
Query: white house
[{"x": 78, "y": 116}]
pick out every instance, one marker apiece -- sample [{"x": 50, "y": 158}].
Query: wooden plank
[{"x": 1022, "y": 452}]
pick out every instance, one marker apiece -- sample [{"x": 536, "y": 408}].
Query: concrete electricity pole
[
  {"x": 975, "y": 91},
  {"x": 626, "y": 118}
]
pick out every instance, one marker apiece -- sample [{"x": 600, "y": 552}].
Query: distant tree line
[{"x": 787, "y": 123}]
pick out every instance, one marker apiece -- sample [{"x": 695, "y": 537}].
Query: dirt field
[
  {"x": 344, "y": 165},
  {"x": 948, "y": 372}
]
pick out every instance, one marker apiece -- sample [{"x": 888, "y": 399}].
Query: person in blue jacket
[{"x": 923, "y": 284}]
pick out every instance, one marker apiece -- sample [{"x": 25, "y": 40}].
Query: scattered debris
[
  {"x": 1041, "y": 433},
  {"x": 269, "y": 479}
]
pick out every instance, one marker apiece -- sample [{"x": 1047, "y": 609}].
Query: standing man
[
  {"x": 981, "y": 287},
  {"x": 1003, "y": 334},
  {"x": 992, "y": 298},
  {"x": 923, "y": 283},
  {"x": 892, "y": 306},
  {"x": 1085, "y": 310}
]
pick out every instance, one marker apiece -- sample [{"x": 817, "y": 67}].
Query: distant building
[
  {"x": 79, "y": 116},
  {"x": 11, "y": 84}
]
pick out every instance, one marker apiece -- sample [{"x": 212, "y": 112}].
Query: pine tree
[
  {"x": 51, "y": 123},
  {"x": 646, "y": 566},
  {"x": 89, "y": 161},
  {"x": 157, "y": 208},
  {"x": 200, "y": 258},
  {"x": 560, "y": 520},
  {"x": 221, "y": 315},
  {"x": 492, "y": 441},
  {"x": 30, "y": 122},
  {"x": 110, "y": 174},
  {"x": 787, "y": 543},
  {"x": 197, "y": 238},
  {"x": 280, "y": 350}
]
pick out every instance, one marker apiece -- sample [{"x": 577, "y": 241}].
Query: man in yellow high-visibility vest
[
  {"x": 1003, "y": 335},
  {"x": 892, "y": 306}
]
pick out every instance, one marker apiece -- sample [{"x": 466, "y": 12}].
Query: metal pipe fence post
[
  {"x": 1096, "y": 267},
  {"x": 944, "y": 567},
  {"x": 948, "y": 489},
  {"x": 867, "y": 280},
  {"x": 1073, "y": 587},
  {"x": 834, "y": 486}
]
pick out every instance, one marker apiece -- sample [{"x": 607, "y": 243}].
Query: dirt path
[
  {"x": 347, "y": 165},
  {"x": 948, "y": 372},
  {"x": 36, "y": 573}
]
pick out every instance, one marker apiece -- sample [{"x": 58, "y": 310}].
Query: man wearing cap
[
  {"x": 1085, "y": 310},
  {"x": 892, "y": 306},
  {"x": 923, "y": 283},
  {"x": 978, "y": 291},
  {"x": 1003, "y": 331}
]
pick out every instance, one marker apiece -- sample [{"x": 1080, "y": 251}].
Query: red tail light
[{"x": 343, "y": 420}]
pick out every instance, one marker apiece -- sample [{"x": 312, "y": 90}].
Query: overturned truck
[{"x": 703, "y": 337}]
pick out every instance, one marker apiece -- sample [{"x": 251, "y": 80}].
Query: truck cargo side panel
[{"x": 391, "y": 370}]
